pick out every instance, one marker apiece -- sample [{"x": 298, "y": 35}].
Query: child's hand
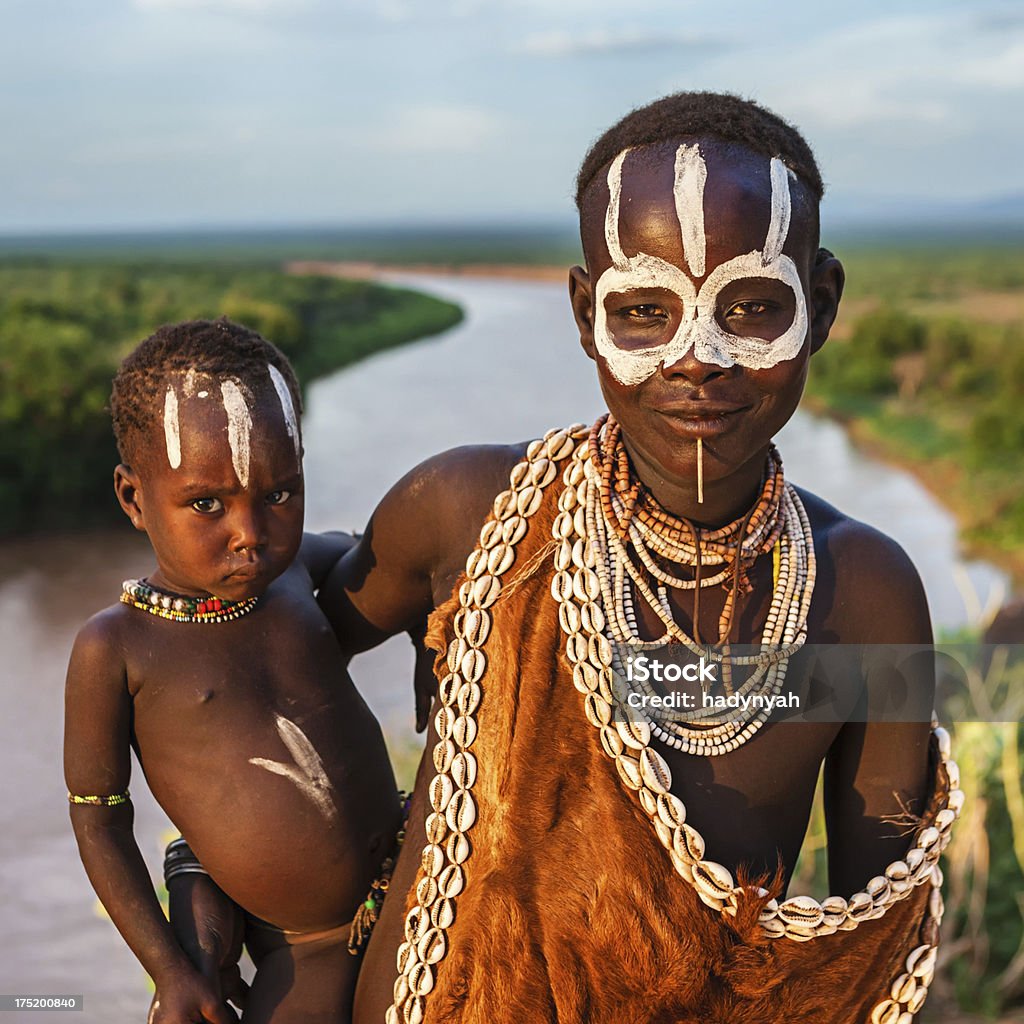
[
  {"x": 190, "y": 999},
  {"x": 209, "y": 928}
]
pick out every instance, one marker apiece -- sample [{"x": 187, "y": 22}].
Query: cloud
[
  {"x": 576, "y": 44},
  {"x": 1004, "y": 70},
  {"x": 240, "y": 6},
  {"x": 435, "y": 128},
  {"x": 998, "y": 19},
  {"x": 873, "y": 81}
]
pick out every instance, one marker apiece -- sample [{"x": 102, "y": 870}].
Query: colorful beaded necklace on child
[{"x": 178, "y": 608}]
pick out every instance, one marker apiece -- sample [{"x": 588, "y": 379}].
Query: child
[{"x": 222, "y": 674}]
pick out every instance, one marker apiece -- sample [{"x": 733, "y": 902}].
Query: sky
[{"x": 143, "y": 114}]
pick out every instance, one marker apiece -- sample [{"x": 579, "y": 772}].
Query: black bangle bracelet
[{"x": 180, "y": 860}]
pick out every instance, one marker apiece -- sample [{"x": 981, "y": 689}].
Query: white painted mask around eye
[{"x": 698, "y": 328}]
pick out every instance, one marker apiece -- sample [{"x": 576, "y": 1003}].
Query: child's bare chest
[{"x": 257, "y": 745}]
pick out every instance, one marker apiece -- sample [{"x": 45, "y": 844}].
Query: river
[{"x": 509, "y": 371}]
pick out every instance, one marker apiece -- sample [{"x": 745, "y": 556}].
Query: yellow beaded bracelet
[{"x": 114, "y": 800}]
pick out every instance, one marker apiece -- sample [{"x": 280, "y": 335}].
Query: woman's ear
[
  {"x": 582, "y": 301},
  {"x": 129, "y": 490},
  {"x": 827, "y": 280}
]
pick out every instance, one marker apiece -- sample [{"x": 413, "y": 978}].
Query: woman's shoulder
[{"x": 871, "y": 588}]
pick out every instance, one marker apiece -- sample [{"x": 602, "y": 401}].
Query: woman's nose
[{"x": 691, "y": 369}]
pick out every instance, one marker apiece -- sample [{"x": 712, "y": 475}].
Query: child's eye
[
  {"x": 207, "y": 505},
  {"x": 278, "y": 497}
]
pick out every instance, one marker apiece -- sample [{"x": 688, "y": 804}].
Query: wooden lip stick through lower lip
[{"x": 700, "y": 471}]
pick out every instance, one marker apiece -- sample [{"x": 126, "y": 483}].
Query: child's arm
[
  {"x": 320, "y": 552},
  {"x": 210, "y": 928},
  {"x": 97, "y": 763}
]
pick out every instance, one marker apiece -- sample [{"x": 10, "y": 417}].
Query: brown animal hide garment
[{"x": 572, "y": 911}]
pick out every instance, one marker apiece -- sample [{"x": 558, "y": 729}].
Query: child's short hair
[
  {"x": 215, "y": 347},
  {"x": 717, "y": 115}
]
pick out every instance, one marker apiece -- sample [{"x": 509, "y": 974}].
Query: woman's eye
[
  {"x": 752, "y": 307},
  {"x": 645, "y": 311},
  {"x": 207, "y": 505},
  {"x": 278, "y": 497}
]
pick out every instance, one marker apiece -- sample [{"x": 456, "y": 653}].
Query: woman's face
[{"x": 697, "y": 302}]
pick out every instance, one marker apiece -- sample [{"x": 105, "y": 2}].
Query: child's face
[
  {"x": 699, "y": 303},
  {"x": 219, "y": 490}
]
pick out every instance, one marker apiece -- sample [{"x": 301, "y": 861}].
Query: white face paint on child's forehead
[
  {"x": 239, "y": 428},
  {"x": 239, "y": 421},
  {"x": 236, "y": 401},
  {"x": 284, "y": 396},
  {"x": 172, "y": 429},
  {"x": 698, "y": 329}
]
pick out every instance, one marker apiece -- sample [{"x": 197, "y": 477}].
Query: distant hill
[
  {"x": 845, "y": 219},
  {"x": 996, "y": 219}
]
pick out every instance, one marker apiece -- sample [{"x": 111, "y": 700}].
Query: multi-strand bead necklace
[
  {"x": 618, "y": 509},
  {"x": 179, "y": 608}
]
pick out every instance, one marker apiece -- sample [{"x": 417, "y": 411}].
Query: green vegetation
[
  {"x": 65, "y": 326},
  {"x": 927, "y": 367},
  {"x": 450, "y": 246}
]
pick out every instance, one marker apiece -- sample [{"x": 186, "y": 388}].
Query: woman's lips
[{"x": 698, "y": 420}]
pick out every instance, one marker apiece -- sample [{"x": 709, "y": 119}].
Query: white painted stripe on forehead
[
  {"x": 239, "y": 428},
  {"x": 172, "y": 433},
  {"x": 284, "y": 396},
  {"x": 691, "y": 175},
  {"x": 611, "y": 217},
  {"x": 778, "y": 229}
]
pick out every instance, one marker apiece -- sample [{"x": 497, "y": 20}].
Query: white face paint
[
  {"x": 308, "y": 770},
  {"x": 698, "y": 329},
  {"x": 239, "y": 428},
  {"x": 284, "y": 396},
  {"x": 172, "y": 430}
]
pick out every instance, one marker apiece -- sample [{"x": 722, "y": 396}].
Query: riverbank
[
  {"x": 366, "y": 270},
  {"x": 978, "y": 498},
  {"x": 65, "y": 326}
]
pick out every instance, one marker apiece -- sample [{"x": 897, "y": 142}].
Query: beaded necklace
[
  {"x": 178, "y": 608},
  {"x": 618, "y": 509}
]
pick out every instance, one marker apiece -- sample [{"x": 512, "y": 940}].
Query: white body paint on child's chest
[
  {"x": 698, "y": 329},
  {"x": 308, "y": 770}
]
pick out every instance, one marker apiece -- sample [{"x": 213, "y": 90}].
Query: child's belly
[{"x": 289, "y": 804}]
